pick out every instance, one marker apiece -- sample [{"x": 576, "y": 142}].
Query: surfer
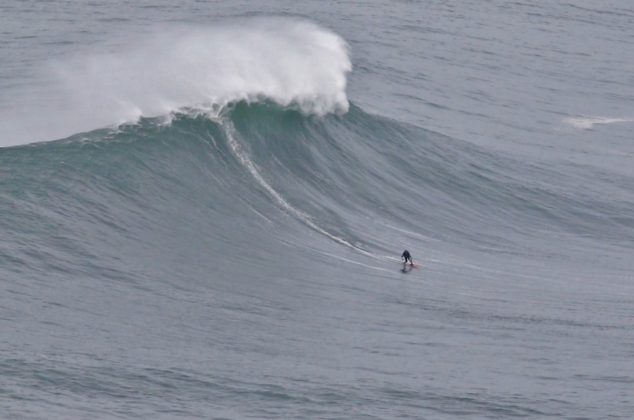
[{"x": 406, "y": 256}]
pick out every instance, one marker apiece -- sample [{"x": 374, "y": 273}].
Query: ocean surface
[{"x": 203, "y": 205}]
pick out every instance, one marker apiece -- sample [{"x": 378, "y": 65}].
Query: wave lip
[{"x": 287, "y": 61}]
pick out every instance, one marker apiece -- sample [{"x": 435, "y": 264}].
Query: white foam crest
[
  {"x": 587, "y": 123},
  {"x": 287, "y": 61}
]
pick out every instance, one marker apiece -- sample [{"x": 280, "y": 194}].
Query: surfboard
[{"x": 407, "y": 268}]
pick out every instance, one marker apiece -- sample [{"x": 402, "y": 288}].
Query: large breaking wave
[
  {"x": 240, "y": 140},
  {"x": 260, "y": 178}
]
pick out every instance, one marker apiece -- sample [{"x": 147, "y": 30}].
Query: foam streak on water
[
  {"x": 248, "y": 164},
  {"x": 586, "y": 123}
]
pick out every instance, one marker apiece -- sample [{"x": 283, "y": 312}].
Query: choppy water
[{"x": 203, "y": 205}]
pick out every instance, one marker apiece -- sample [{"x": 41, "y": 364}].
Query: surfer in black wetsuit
[{"x": 407, "y": 257}]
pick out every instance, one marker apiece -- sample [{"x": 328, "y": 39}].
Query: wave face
[
  {"x": 267, "y": 174},
  {"x": 196, "y": 67}
]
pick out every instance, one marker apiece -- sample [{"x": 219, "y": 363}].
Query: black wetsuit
[{"x": 407, "y": 257}]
